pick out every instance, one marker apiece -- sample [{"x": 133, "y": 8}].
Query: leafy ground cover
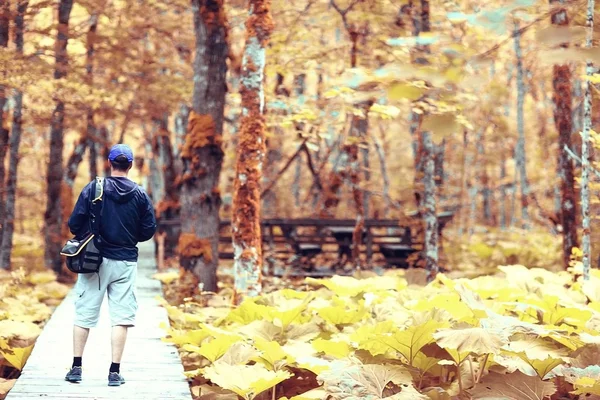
[
  {"x": 521, "y": 334},
  {"x": 27, "y": 301}
]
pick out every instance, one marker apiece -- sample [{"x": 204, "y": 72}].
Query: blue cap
[{"x": 120, "y": 150}]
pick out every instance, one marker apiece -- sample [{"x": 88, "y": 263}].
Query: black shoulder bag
[{"x": 83, "y": 255}]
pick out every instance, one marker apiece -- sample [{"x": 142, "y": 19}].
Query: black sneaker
[
  {"x": 115, "y": 379},
  {"x": 74, "y": 375}
]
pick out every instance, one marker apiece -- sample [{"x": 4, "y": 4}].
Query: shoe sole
[
  {"x": 73, "y": 379},
  {"x": 116, "y": 383}
]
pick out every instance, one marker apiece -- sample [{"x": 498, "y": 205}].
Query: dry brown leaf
[
  {"x": 6, "y": 385},
  {"x": 586, "y": 356},
  {"x": 536, "y": 348},
  {"x": 207, "y": 392},
  {"x": 465, "y": 338},
  {"x": 515, "y": 386}
]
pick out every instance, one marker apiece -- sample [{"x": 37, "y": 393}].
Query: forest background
[{"x": 499, "y": 73}]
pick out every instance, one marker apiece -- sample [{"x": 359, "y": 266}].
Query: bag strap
[{"x": 96, "y": 205}]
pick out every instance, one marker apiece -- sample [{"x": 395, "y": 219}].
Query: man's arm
[
  {"x": 78, "y": 221},
  {"x": 148, "y": 221}
]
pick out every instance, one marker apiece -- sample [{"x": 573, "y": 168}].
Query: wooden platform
[{"x": 152, "y": 368}]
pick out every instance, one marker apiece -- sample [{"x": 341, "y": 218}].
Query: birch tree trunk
[
  {"x": 53, "y": 220},
  {"x": 520, "y": 151},
  {"x": 247, "y": 239},
  {"x": 14, "y": 143},
  {"x": 561, "y": 83},
  {"x": 429, "y": 207},
  {"x": 585, "y": 147},
  {"x": 4, "y": 37},
  {"x": 202, "y": 153}
]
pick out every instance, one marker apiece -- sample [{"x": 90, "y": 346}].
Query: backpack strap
[{"x": 96, "y": 206}]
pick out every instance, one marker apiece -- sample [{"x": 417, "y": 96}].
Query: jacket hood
[{"x": 119, "y": 189}]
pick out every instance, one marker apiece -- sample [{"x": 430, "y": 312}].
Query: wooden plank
[{"x": 151, "y": 367}]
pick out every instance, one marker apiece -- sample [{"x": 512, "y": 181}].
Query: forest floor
[{"x": 504, "y": 314}]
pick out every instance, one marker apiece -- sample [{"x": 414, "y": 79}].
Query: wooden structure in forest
[{"x": 308, "y": 243}]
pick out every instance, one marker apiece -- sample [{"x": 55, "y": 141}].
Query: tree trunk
[
  {"x": 202, "y": 153},
  {"x": 53, "y": 221},
  {"x": 520, "y": 152},
  {"x": 247, "y": 240},
  {"x": 429, "y": 207},
  {"x": 167, "y": 201},
  {"x": 181, "y": 119},
  {"x": 105, "y": 138},
  {"x": 89, "y": 68},
  {"x": 561, "y": 83},
  {"x": 585, "y": 148},
  {"x": 14, "y": 143},
  {"x": 4, "y": 36},
  {"x": 502, "y": 201},
  {"x": 93, "y": 156}
]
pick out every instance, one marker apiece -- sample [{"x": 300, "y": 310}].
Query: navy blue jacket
[{"x": 127, "y": 218}]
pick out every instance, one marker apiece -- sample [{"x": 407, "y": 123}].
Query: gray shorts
[{"x": 117, "y": 279}]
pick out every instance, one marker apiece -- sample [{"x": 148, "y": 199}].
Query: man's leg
[
  {"x": 123, "y": 309},
  {"x": 80, "y": 336},
  {"x": 87, "y": 312},
  {"x": 119, "y": 337}
]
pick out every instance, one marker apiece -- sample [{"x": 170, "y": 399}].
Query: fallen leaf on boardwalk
[{"x": 515, "y": 386}]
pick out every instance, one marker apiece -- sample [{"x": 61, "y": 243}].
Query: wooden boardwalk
[{"x": 152, "y": 368}]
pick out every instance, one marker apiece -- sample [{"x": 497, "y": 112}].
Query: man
[{"x": 127, "y": 218}]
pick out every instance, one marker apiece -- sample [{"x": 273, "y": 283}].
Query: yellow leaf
[
  {"x": 341, "y": 315},
  {"x": 38, "y": 278},
  {"x": 440, "y": 125},
  {"x": 332, "y": 348},
  {"x": 366, "y": 336},
  {"x": 247, "y": 381},
  {"x": 410, "y": 341},
  {"x": 10, "y": 329},
  {"x": 216, "y": 347},
  {"x": 407, "y": 91},
  {"x": 271, "y": 354},
  {"x": 16, "y": 356},
  {"x": 166, "y": 277},
  {"x": 587, "y": 386},
  {"x": 182, "y": 337}
]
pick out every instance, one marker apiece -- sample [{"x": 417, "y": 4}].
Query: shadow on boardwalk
[{"x": 151, "y": 367}]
